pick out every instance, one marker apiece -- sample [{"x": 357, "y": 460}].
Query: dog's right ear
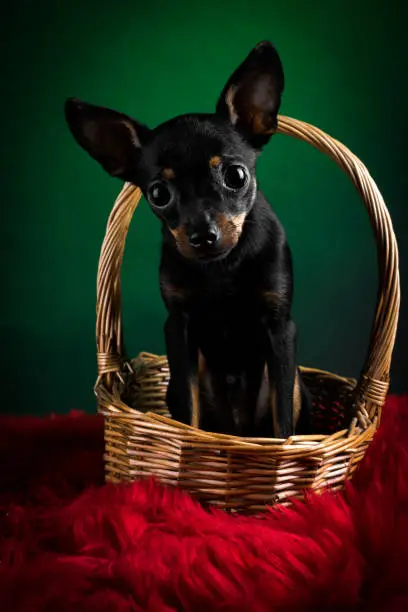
[
  {"x": 252, "y": 96},
  {"x": 111, "y": 138}
]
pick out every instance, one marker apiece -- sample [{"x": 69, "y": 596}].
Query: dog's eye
[
  {"x": 159, "y": 194},
  {"x": 235, "y": 176}
]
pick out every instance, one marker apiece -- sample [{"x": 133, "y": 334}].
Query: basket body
[
  {"x": 223, "y": 471},
  {"x": 242, "y": 474}
]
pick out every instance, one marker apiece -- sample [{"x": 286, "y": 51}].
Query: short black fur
[{"x": 226, "y": 269}]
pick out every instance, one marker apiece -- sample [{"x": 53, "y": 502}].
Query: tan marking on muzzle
[
  {"x": 182, "y": 241},
  {"x": 168, "y": 173},
  {"x": 230, "y": 227},
  {"x": 175, "y": 231},
  {"x": 215, "y": 161}
]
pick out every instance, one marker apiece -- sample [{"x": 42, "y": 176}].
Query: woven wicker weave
[{"x": 242, "y": 474}]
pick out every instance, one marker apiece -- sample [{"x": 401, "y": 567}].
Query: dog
[{"x": 226, "y": 268}]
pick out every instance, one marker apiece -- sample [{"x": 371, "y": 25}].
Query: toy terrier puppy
[{"x": 226, "y": 269}]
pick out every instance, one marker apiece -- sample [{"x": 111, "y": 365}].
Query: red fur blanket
[{"x": 68, "y": 543}]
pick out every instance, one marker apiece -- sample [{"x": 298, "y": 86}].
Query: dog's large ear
[
  {"x": 251, "y": 98},
  {"x": 111, "y": 138}
]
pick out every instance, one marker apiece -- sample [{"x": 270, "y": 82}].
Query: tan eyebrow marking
[
  {"x": 168, "y": 173},
  {"x": 215, "y": 161}
]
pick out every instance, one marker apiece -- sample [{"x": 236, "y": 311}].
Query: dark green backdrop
[{"x": 346, "y": 71}]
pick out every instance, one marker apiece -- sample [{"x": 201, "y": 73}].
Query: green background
[{"x": 346, "y": 72}]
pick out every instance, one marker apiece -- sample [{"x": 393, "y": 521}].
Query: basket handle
[{"x": 373, "y": 384}]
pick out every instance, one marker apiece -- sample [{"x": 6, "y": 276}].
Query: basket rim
[
  {"x": 296, "y": 447},
  {"x": 111, "y": 406}
]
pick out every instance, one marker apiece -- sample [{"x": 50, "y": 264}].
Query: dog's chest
[{"x": 226, "y": 321}]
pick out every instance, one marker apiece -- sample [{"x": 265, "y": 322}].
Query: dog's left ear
[{"x": 251, "y": 98}]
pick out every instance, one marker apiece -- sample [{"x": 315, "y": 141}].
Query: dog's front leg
[
  {"x": 182, "y": 391},
  {"x": 282, "y": 374}
]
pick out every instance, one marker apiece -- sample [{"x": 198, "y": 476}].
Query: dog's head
[{"x": 196, "y": 171}]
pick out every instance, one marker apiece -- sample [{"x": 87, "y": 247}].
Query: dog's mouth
[
  {"x": 210, "y": 257},
  {"x": 204, "y": 256}
]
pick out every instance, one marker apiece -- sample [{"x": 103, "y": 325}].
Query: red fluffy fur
[{"x": 71, "y": 544}]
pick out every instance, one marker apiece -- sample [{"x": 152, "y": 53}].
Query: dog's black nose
[{"x": 207, "y": 238}]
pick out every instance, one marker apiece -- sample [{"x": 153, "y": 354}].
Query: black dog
[{"x": 226, "y": 270}]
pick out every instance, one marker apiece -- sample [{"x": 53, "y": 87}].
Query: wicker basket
[{"x": 242, "y": 474}]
